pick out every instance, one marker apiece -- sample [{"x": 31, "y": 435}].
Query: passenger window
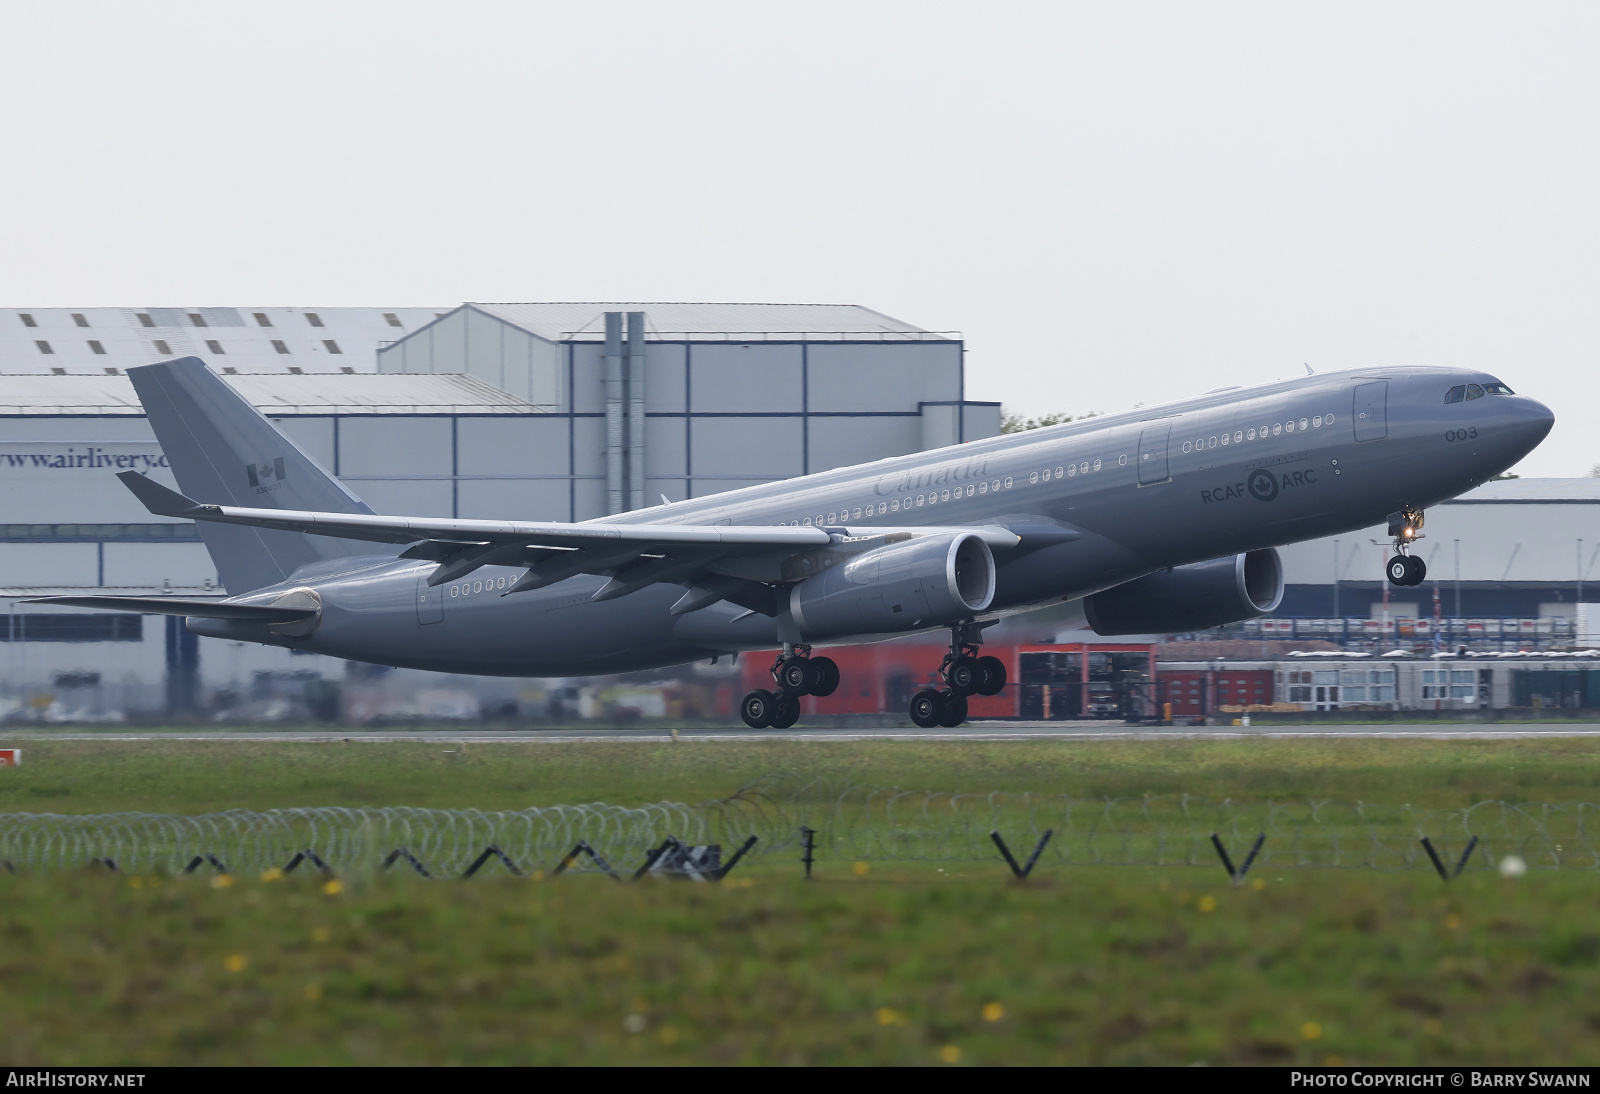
[
  {"x": 1047, "y": 474},
  {"x": 1474, "y": 392},
  {"x": 1456, "y": 394},
  {"x": 920, "y": 499},
  {"x": 1097, "y": 465},
  {"x": 1059, "y": 472},
  {"x": 1008, "y": 482},
  {"x": 1084, "y": 467},
  {"x": 857, "y": 516},
  {"x": 1033, "y": 477},
  {"x": 983, "y": 488},
  {"x": 996, "y": 484},
  {"x": 1073, "y": 470},
  {"x": 1187, "y": 446},
  {"x": 945, "y": 496},
  {"x": 833, "y": 518}
]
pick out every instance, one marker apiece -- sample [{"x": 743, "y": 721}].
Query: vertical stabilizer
[{"x": 223, "y": 451}]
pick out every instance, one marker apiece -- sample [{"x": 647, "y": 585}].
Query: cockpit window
[
  {"x": 1495, "y": 387},
  {"x": 1456, "y": 394},
  {"x": 1474, "y": 392}
]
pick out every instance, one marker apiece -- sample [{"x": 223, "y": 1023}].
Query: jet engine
[
  {"x": 1190, "y": 598},
  {"x": 920, "y": 581}
]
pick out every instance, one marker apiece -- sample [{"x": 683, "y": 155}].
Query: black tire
[
  {"x": 827, "y": 676},
  {"x": 787, "y": 712},
  {"x": 927, "y": 708},
  {"x": 1419, "y": 570},
  {"x": 1399, "y": 570},
  {"x": 757, "y": 708},
  {"x": 955, "y": 710},
  {"x": 796, "y": 676},
  {"x": 962, "y": 676},
  {"x": 991, "y": 675}
]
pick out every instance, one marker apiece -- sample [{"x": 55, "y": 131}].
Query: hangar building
[{"x": 524, "y": 411}]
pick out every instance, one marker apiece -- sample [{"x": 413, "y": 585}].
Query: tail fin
[{"x": 223, "y": 451}]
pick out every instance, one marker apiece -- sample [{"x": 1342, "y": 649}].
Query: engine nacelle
[
  {"x": 1190, "y": 598},
  {"x": 918, "y": 582}
]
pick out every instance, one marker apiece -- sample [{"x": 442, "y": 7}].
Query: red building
[{"x": 1056, "y": 682}]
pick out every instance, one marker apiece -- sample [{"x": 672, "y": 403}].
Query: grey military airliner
[{"x": 1160, "y": 519}]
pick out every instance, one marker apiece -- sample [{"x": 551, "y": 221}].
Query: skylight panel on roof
[
  {"x": 96, "y": 347},
  {"x": 27, "y": 320},
  {"x": 196, "y": 319},
  {"x": 162, "y": 347},
  {"x": 296, "y": 370},
  {"x": 261, "y": 319},
  {"x": 392, "y": 319},
  {"x": 44, "y": 347},
  {"x": 57, "y": 370},
  {"x": 144, "y": 319},
  {"x": 78, "y": 318},
  {"x": 314, "y": 319},
  {"x": 110, "y": 371},
  {"x": 213, "y": 345},
  {"x": 333, "y": 347},
  {"x": 279, "y": 346}
]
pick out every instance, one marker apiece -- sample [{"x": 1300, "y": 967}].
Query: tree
[
  {"x": 1012, "y": 422},
  {"x": 1594, "y": 472}
]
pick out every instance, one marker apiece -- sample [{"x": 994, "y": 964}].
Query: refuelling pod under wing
[
  {"x": 918, "y": 582},
  {"x": 1190, "y": 598}
]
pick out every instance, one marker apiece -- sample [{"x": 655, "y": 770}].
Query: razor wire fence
[{"x": 847, "y": 822}]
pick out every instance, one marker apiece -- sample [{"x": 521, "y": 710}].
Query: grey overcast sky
[{"x": 1115, "y": 202}]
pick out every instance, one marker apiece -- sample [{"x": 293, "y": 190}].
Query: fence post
[
  {"x": 737, "y": 855},
  {"x": 402, "y": 853},
  {"x": 807, "y": 843},
  {"x": 1022, "y": 872},
  {"x": 1237, "y": 876},
  {"x": 491, "y": 851}
]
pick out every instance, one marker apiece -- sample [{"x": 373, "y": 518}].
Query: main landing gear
[
  {"x": 1406, "y": 569},
  {"x": 964, "y": 673},
  {"x": 795, "y": 673}
]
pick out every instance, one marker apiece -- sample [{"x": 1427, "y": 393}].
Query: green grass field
[{"x": 904, "y": 963}]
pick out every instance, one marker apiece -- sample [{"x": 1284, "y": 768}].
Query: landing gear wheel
[
  {"x": 962, "y": 675},
  {"x": 787, "y": 712},
  {"x": 827, "y": 676},
  {"x": 991, "y": 675},
  {"x": 758, "y": 707},
  {"x": 796, "y": 675},
  {"x": 927, "y": 708},
  {"x": 955, "y": 710},
  {"x": 1406, "y": 570}
]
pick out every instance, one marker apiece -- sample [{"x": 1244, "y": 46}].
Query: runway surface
[{"x": 987, "y": 731}]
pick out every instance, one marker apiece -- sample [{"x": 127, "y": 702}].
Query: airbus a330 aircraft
[{"x": 1160, "y": 519}]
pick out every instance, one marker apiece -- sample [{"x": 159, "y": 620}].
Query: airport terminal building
[{"x": 523, "y": 411}]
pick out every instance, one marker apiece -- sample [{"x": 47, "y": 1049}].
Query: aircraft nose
[{"x": 1530, "y": 422}]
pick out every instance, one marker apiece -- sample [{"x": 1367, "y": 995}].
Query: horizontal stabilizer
[
  {"x": 170, "y": 605},
  {"x": 157, "y": 498}
]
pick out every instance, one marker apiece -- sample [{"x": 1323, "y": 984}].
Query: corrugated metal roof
[
  {"x": 345, "y": 338},
  {"x": 335, "y": 393},
  {"x": 1587, "y": 489},
  {"x": 586, "y": 321}
]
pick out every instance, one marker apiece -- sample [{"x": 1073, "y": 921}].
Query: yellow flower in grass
[
  {"x": 1208, "y": 904},
  {"x": 333, "y": 887},
  {"x": 222, "y": 881},
  {"x": 272, "y": 874},
  {"x": 993, "y": 1012},
  {"x": 236, "y": 962},
  {"x": 950, "y": 1054},
  {"x": 1311, "y": 1031}
]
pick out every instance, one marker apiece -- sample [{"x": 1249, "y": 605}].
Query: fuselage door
[
  {"x": 430, "y": 602},
  {"x": 1371, "y": 411},
  {"x": 1153, "y": 454}
]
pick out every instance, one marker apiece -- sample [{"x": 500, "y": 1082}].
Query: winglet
[{"x": 157, "y": 498}]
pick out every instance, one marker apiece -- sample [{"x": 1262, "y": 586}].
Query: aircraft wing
[{"x": 632, "y": 555}]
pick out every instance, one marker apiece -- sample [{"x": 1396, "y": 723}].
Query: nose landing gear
[
  {"x": 796, "y": 673},
  {"x": 964, "y": 674},
  {"x": 1406, "y": 569}
]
